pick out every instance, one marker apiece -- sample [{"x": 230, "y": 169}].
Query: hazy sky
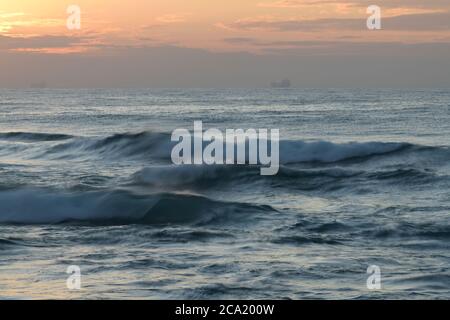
[{"x": 233, "y": 43}]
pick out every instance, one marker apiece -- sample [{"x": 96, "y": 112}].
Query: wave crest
[{"x": 159, "y": 146}]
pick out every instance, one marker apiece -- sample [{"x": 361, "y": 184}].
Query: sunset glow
[{"x": 253, "y": 25}]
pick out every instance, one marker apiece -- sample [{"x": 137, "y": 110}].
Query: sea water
[{"x": 86, "y": 179}]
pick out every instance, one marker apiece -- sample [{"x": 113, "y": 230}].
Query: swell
[
  {"x": 33, "y": 137},
  {"x": 328, "y": 152},
  {"x": 203, "y": 176},
  {"x": 7, "y": 243},
  {"x": 40, "y": 206},
  {"x": 311, "y": 229},
  {"x": 12, "y": 243}
]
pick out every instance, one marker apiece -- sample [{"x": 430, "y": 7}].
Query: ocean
[{"x": 86, "y": 180}]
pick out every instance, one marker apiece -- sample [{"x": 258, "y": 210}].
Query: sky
[{"x": 233, "y": 43}]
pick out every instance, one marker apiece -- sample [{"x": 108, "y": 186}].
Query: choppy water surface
[{"x": 86, "y": 179}]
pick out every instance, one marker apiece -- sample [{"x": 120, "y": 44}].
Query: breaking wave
[{"x": 158, "y": 145}]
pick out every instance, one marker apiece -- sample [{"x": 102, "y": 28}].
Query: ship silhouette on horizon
[{"x": 285, "y": 83}]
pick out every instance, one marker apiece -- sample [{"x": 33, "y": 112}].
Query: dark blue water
[{"x": 86, "y": 179}]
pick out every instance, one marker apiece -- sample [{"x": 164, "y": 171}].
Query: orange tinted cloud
[{"x": 204, "y": 24}]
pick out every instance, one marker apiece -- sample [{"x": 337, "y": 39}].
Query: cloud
[
  {"x": 172, "y": 18},
  {"x": 419, "y": 22},
  {"x": 432, "y": 4},
  {"x": 9, "y": 15},
  {"x": 410, "y": 22},
  {"x": 37, "y": 43},
  {"x": 292, "y": 3},
  {"x": 357, "y": 3},
  {"x": 278, "y": 44},
  {"x": 239, "y": 40},
  {"x": 165, "y": 20},
  {"x": 11, "y": 22}
]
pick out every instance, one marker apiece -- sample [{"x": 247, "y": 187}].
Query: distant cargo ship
[{"x": 282, "y": 84}]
